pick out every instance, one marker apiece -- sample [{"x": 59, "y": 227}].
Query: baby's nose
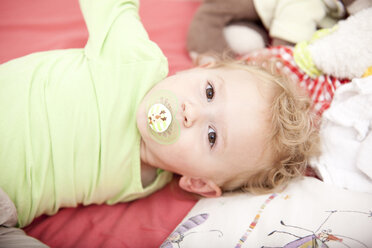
[{"x": 190, "y": 114}]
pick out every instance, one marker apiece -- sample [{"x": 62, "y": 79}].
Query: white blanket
[{"x": 346, "y": 135}]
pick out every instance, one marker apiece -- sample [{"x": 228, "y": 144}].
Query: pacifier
[
  {"x": 161, "y": 111},
  {"x": 159, "y": 118}
]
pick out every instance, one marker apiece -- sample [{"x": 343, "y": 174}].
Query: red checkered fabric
[{"x": 321, "y": 89}]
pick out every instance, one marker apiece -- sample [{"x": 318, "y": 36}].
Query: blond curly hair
[{"x": 293, "y": 137}]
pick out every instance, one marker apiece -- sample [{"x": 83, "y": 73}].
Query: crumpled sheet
[{"x": 346, "y": 136}]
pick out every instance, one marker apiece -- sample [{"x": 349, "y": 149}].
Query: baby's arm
[{"x": 115, "y": 29}]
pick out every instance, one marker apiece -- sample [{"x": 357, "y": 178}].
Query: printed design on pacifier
[
  {"x": 159, "y": 117},
  {"x": 161, "y": 111}
]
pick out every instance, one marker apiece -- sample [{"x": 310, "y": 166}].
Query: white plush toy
[{"x": 344, "y": 51}]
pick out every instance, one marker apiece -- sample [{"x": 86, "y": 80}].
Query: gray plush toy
[{"x": 242, "y": 26}]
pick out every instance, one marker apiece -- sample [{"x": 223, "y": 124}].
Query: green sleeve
[{"x": 116, "y": 33}]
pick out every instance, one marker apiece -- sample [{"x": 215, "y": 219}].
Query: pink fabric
[
  {"x": 38, "y": 25},
  {"x": 143, "y": 223}
]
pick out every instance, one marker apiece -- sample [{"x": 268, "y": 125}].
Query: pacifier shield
[{"x": 161, "y": 110}]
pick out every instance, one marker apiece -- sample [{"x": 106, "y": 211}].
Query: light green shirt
[{"x": 68, "y": 130}]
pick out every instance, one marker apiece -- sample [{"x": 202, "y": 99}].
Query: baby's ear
[{"x": 200, "y": 186}]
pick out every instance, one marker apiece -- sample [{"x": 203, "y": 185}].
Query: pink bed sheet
[
  {"x": 142, "y": 223},
  {"x": 38, "y": 25}
]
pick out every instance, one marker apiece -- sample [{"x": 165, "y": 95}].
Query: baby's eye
[
  {"x": 209, "y": 92},
  {"x": 212, "y": 136}
]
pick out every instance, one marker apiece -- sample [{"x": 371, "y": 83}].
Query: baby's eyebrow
[
  {"x": 221, "y": 95},
  {"x": 224, "y": 135},
  {"x": 221, "y": 87}
]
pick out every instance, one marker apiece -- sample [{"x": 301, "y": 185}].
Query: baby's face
[{"x": 223, "y": 119}]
